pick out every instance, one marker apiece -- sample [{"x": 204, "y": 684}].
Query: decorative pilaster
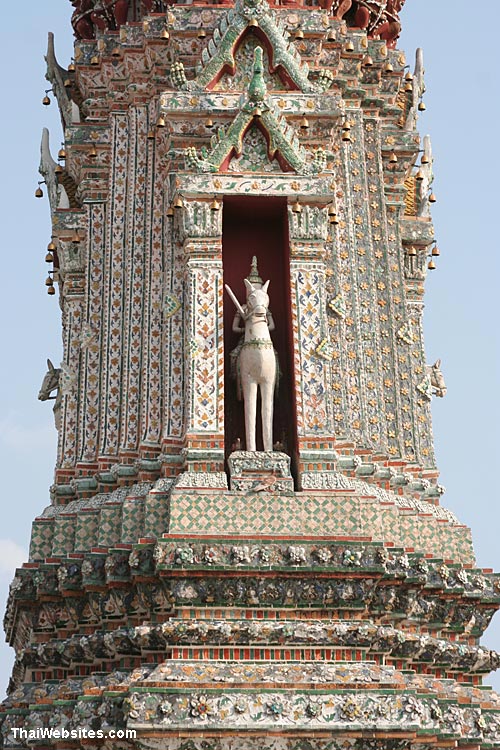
[
  {"x": 312, "y": 352},
  {"x": 200, "y": 230}
]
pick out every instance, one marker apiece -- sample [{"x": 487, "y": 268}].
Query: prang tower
[{"x": 313, "y": 597}]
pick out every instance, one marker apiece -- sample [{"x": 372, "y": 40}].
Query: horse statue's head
[
  {"x": 437, "y": 379},
  {"x": 257, "y": 298},
  {"x": 50, "y": 381}
]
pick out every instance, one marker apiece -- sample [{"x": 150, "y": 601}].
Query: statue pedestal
[{"x": 260, "y": 471}]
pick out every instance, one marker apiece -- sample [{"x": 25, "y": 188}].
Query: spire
[{"x": 253, "y": 277}]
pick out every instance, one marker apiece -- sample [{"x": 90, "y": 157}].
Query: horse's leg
[
  {"x": 250, "y": 398},
  {"x": 267, "y": 394}
]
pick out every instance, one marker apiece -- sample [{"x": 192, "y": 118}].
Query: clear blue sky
[{"x": 462, "y": 117}]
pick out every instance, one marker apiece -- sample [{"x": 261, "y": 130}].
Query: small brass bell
[
  {"x": 160, "y": 123},
  {"x": 46, "y": 100},
  {"x": 51, "y": 246},
  {"x": 93, "y": 152},
  {"x": 253, "y": 23},
  {"x": 51, "y": 290},
  {"x": 209, "y": 123},
  {"x": 408, "y": 76},
  {"x": 169, "y": 212},
  {"x": 368, "y": 61},
  {"x": 48, "y": 281},
  {"x": 432, "y": 198},
  {"x": 408, "y": 86},
  {"x": 94, "y": 60},
  {"x": 346, "y": 135},
  {"x": 388, "y": 68},
  {"x": 68, "y": 83},
  {"x": 419, "y": 176},
  {"x": 431, "y": 265},
  {"x": 58, "y": 170},
  {"x": 116, "y": 52},
  {"x": 215, "y": 205},
  {"x": 330, "y": 37},
  {"x": 304, "y": 123},
  {"x": 151, "y": 135},
  {"x": 422, "y": 107},
  {"x": 436, "y": 251},
  {"x": 178, "y": 202},
  {"x": 424, "y": 159},
  {"x": 61, "y": 154},
  {"x": 202, "y": 34},
  {"x": 39, "y": 192},
  {"x": 49, "y": 258},
  {"x": 349, "y": 46},
  {"x": 75, "y": 239},
  {"x": 393, "y": 159},
  {"x": 296, "y": 207},
  {"x": 71, "y": 67},
  {"x": 299, "y": 34},
  {"x": 334, "y": 219},
  {"x": 165, "y": 33},
  {"x": 411, "y": 251}
]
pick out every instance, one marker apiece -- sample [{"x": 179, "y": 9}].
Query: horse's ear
[
  {"x": 249, "y": 285},
  {"x": 264, "y": 288},
  {"x": 50, "y": 365},
  {"x": 437, "y": 363}
]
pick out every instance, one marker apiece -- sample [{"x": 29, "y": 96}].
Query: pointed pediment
[{"x": 260, "y": 112}]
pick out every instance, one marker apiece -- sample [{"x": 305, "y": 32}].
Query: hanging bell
[
  {"x": 436, "y": 251},
  {"x": 202, "y": 34},
  {"x": 334, "y": 219},
  {"x": 393, "y": 159},
  {"x": 58, "y": 170},
  {"x": 51, "y": 246},
  {"x": 51, "y": 290},
  {"x": 346, "y": 135},
  {"x": 61, "y": 154},
  {"x": 349, "y": 46},
  {"x": 296, "y": 207},
  {"x": 422, "y": 107},
  {"x": 411, "y": 251},
  {"x": 116, "y": 52},
  {"x": 215, "y": 205},
  {"x": 424, "y": 159},
  {"x": 330, "y": 37},
  {"x": 431, "y": 265},
  {"x": 75, "y": 239},
  {"x": 432, "y": 198},
  {"x": 49, "y": 281},
  {"x": 39, "y": 192},
  {"x": 93, "y": 152},
  {"x": 209, "y": 123},
  {"x": 151, "y": 135},
  {"x": 178, "y": 202},
  {"x": 94, "y": 60},
  {"x": 253, "y": 23},
  {"x": 299, "y": 34},
  {"x": 169, "y": 212},
  {"x": 368, "y": 61},
  {"x": 304, "y": 123},
  {"x": 165, "y": 33},
  {"x": 160, "y": 123},
  {"x": 71, "y": 67},
  {"x": 388, "y": 67},
  {"x": 68, "y": 83},
  {"x": 408, "y": 86},
  {"x": 419, "y": 176},
  {"x": 408, "y": 76},
  {"x": 46, "y": 100},
  {"x": 49, "y": 258}
]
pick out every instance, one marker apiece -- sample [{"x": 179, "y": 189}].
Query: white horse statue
[{"x": 257, "y": 363}]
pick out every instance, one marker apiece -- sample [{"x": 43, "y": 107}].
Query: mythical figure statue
[
  {"x": 379, "y": 17},
  {"x": 107, "y": 15},
  {"x": 51, "y": 383},
  {"x": 437, "y": 379},
  {"x": 256, "y": 358}
]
